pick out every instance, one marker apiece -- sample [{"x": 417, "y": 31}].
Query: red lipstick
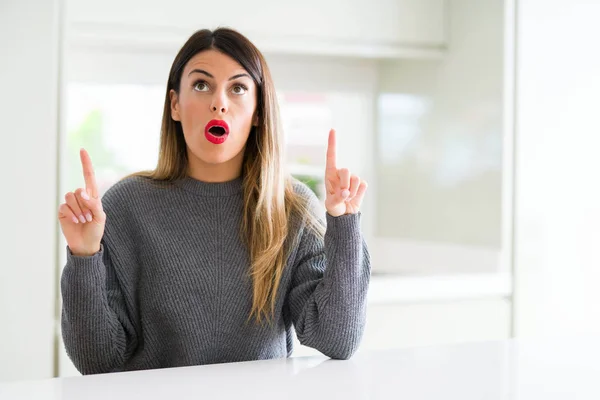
[{"x": 216, "y": 131}]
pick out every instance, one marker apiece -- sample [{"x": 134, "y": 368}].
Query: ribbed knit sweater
[{"x": 170, "y": 285}]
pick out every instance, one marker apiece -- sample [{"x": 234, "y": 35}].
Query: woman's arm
[
  {"x": 327, "y": 301},
  {"x": 98, "y": 333}
]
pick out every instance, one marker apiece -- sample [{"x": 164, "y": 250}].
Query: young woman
[{"x": 217, "y": 254}]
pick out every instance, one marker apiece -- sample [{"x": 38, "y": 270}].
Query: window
[{"x": 119, "y": 125}]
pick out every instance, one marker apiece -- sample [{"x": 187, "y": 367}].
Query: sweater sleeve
[
  {"x": 96, "y": 329},
  {"x": 327, "y": 300}
]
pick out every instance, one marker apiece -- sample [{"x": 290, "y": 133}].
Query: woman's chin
[{"x": 213, "y": 156}]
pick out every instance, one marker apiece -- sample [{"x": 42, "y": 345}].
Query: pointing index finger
[
  {"x": 331, "y": 152},
  {"x": 88, "y": 174}
]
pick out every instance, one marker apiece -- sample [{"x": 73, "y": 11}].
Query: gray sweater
[{"x": 170, "y": 285}]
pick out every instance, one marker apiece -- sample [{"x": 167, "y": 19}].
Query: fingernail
[
  {"x": 345, "y": 193},
  {"x": 88, "y": 216},
  {"x": 75, "y": 220},
  {"x": 82, "y": 219},
  {"x": 85, "y": 195}
]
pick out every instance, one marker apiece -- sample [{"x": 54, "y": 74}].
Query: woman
[{"x": 216, "y": 255}]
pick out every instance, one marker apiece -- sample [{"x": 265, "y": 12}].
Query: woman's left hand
[{"x": 345, "y": 192}]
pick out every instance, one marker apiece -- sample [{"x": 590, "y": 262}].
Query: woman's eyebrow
[
  {"x": 201, "y": 71},
  {"x": 239, "y": 76}
]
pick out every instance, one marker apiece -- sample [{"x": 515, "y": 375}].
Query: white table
[{"x": 528, "y": 369}]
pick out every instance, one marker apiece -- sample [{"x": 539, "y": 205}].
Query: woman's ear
[
  {"x": 255, "y": 120},
  {"x": 174, "y": 105}
]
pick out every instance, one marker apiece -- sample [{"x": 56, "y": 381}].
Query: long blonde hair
[{"x": 268, "y": 193}]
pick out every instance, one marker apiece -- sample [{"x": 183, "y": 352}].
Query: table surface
[{"x": 523, "y": 369}]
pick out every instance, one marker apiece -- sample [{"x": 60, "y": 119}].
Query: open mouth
[{"x": 216, "y": 131}]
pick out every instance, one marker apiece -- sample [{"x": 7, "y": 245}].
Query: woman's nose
[{"x": 219, "y": 103}]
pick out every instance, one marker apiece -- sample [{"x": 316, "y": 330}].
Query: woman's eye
[
  {"x": 239, "y": 89},
  {"x": 201, "y": 86}
]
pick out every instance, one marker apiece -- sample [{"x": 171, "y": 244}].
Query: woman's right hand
[{"x": 81, "y": 217}]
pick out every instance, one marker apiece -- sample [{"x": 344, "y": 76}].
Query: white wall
[
  {"x": 440, "y": 181},
  {"x": 558, "y": 168},
  {"x": 433, "y": 323},
  {"x": 28, "y": 108},
  {"x": 351, "y": 27}
]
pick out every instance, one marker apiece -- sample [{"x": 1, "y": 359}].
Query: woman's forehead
[{"x": 215, "y": 63}]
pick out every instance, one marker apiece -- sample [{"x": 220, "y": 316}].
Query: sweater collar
[{"x": 211, "y": 189}]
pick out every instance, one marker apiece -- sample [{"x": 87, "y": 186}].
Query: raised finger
[
  {"x": 88, "y": 174},
  {"x": 331, "y": 152}
]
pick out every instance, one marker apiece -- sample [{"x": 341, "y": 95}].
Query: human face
[{"x": 215, "y": 90}]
